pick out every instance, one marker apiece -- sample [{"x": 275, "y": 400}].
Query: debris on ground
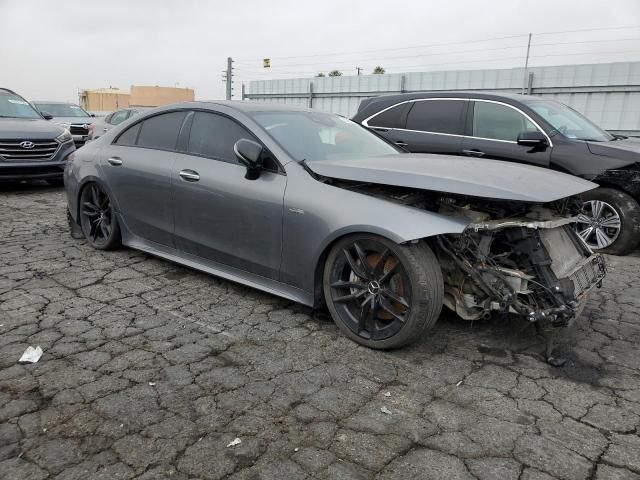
[
  {"x": 387, "y": 394},
  {"x": 236, "y": 441},
  {"x": 385, "y": 410},
  {"x": 31, "y": 355}
]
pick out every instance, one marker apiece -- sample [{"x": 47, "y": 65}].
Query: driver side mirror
[
  {"x": 46, "y": 115},
  {"x": 532, "y": 139},
  {"x": 249, "y": 153}
]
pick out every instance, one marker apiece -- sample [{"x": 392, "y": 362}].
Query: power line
[
  {"x": 444, "y": 44},
  {"x": 329, "y": 63}
]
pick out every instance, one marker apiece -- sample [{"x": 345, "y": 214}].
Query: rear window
[
  {"x": 161, "y": 131},
  {"x": 129, "y": 136},
  {"x": 438, "y": 116},
  {"x": 391, "y": 118}
]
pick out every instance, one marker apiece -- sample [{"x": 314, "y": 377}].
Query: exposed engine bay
[{"x": 513, "y": 257}]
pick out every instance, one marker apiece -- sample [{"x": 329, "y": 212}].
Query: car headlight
[{"x": 64, "y": 136}]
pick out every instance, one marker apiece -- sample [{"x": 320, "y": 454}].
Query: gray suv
[
  {"x": 30, "y": 146},
  {"x": 70, "y": 116}
]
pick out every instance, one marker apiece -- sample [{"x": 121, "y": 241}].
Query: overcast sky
[{"x": 51, "y": 49}]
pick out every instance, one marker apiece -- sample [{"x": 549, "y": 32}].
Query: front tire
[
  {"x": 97, "y": 218},
  {"x": 610, "y": 221},
  {"x": 380, "y": 294}
]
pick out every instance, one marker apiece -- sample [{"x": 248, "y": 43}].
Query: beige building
[
  {"x": 104, "y": 99},
  {"x": 110, "y": 99}
]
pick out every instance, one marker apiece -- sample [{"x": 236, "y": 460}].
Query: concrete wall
[{"x": 609, "y": 93}]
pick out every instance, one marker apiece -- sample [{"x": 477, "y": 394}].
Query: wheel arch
[
  {"x": 83, "y": 184},
  {"x": 329, "y": 243}
]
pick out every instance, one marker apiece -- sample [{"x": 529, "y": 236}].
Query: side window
[
  {"x": 118, "y": 117},
  {"x": 392, "y": 118},
  {"x": 161, "y": 131},
  {"x": 129, "y": 136},
  {"x": 107, "y": 119},
  {"x": 214, "y": 136},
  {"x": 499, "y": 122},
  {"x": 438, "y": 116}
]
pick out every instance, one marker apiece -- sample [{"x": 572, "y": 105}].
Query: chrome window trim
[{"x": 365, "y": 122}]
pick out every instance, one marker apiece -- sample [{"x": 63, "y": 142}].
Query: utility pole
[
  {"x": 229, "y": 77},
  {"x": 526, "y": 67},
  {"x": 358, "y": 70}
]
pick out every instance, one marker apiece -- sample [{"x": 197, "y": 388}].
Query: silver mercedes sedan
[{"x": 314, "y": 208}]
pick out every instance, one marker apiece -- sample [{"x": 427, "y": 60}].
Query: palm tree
[
  {"x": 378, "y": 70},
  {"x": 335, "y": 73}
]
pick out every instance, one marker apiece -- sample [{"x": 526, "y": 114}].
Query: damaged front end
[{"x": 531, "y": 263}]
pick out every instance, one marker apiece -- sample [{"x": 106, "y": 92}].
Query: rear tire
[
  {"x": 626, "y": 238},
  {"x": 409, "y": 289},
  {"x": 98, "y": 219}
]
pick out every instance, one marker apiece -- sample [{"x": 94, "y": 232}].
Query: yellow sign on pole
[{"x": 266, "y": 63}]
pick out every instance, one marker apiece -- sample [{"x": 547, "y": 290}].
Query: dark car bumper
[{"x": 27, "y": 169}]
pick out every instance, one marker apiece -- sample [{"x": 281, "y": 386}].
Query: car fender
[{"x": 316, "y": 214}]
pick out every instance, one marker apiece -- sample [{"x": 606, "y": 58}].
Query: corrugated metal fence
[{"x": 607, "y": 93}]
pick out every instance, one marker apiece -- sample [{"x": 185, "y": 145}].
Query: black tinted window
[
  {"x": 440, "y": 116},
  {"x": 129, "y": 136},
  {"x": 161, "y": 132},
  {"x": 215, "y": 135},
  {"x": 392, "y": 118},
  {"x": 499, "y": 122}
]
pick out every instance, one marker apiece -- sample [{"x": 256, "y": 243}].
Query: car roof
[
  {"x": 51, "y": 102},
  {"x": 241, "y": 106},
  {"x": 373, "y": 105}
]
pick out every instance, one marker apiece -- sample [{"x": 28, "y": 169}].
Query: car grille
[
  {"x": 590, "y": 273},
  {"x": 79, "y": 129},
  {"x": 41, "y": 150}
]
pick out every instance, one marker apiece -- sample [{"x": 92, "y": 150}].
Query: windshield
[
  {"x": 319, "y": 136},
  {"x": 13, "y": 106},
  {"x": 62, "y": 109},
  {"x": 567, "y": 121}
]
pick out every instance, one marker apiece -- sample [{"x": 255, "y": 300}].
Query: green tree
[
  {"x": 335, "y": 73},
  {"x": 320, "y": 74},
  {"x": 379, "y": 70}
]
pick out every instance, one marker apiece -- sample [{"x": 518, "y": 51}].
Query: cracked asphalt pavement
[{"x": 150, "y": 370}]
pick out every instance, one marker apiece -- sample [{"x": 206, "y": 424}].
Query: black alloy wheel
[
  {"x": 97, "y": 218},
  {"x": 381, "y": 294}
]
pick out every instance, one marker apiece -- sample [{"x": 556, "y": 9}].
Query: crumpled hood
[
  {"x": 457, "y": 175},
  {"x": 28, "y": 129},
  {"x": 624, "y": 151}
]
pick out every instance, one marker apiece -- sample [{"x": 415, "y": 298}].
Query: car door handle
[
  {"x": 115, "y": 161},
  {"x": 190, "y": 175},
  {"x": 105, "y": 129},
  {"x": 473, "y": 153},
  {"x": 400, "y": 143}
]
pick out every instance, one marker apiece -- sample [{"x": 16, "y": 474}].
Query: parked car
[
  {"x": 524, "y": 129},
  {"x": 314, "y": 208},
  {"x": 103, "y": 125},
  {"x": 70, "y": 116},
  {"x": 30, "y": 146}
]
